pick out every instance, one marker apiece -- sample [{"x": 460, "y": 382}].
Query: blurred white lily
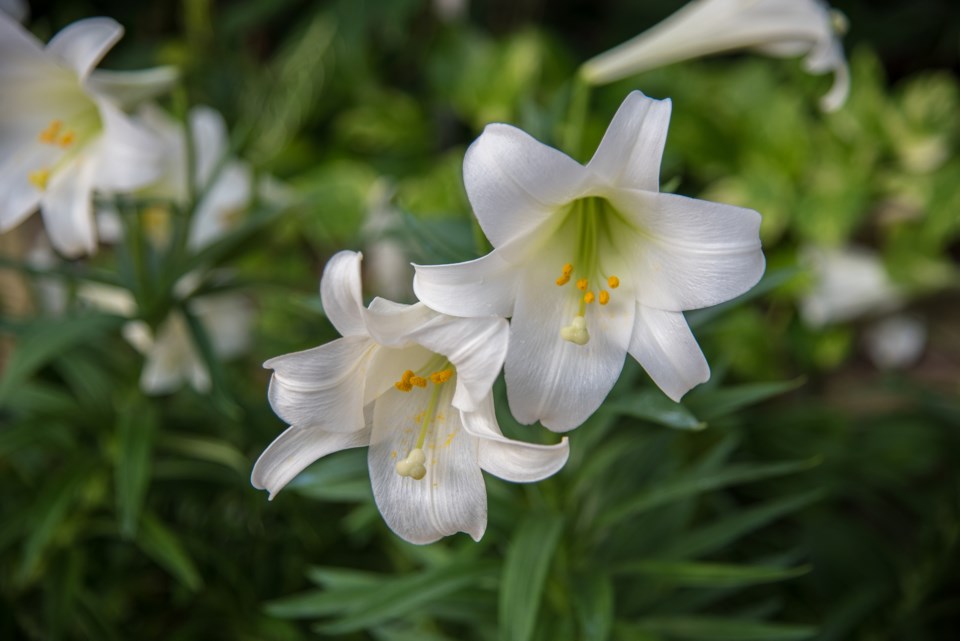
[
  {"x": 592, "y": 262},
  {"x": 171, "y": 358},
  {"x": 413, "y": 385},
  {"x": 784, "y": 28},
  {"x": 16, "y": 9},
  {"x": 848, "y": 282},
  {"x": 61, "y": 137}
]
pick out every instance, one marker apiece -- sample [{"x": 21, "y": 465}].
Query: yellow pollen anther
[
  {"x": 563, "y": 280},
  {"x": 419, "y": 381},
  {"x": 588, "y": 298},
  {"x": 39, "y": 178},
  {"x": 67, "y": 139},
  {"x": 567, "y": 269},
  {"x": 49, "y": 135},
  {"x": 604, "y": 297},
  {"x": 405, "y": 384},
  {"x": 582, "y": 284},
  {"x": 614, "y": 282},
  {"x": 442, "y": 376}
]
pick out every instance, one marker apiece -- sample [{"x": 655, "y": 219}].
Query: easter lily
[
  {"x": 61, "y": 138},
  {"x": 592, "y": 262},
  {"x": 784, "y": 28},
  {"x": 414, "y": 386}
]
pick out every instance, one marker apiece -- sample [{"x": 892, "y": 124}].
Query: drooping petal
[
  {"x": 228, "y": 321},
  {"x": 322, "y": 387},
  {"x": 665, "y": 347},
  {"x": 511, "y": 460},
  {"x": 688, "y": 253},
  {"x": 515, "y": 183},
  {"x": 129, "y": 88},
  {"x": 391, "y": 323},
  {"x": 225, "y": 198},
  {"x": 629, "y": 154},
  {"x": 295, "y": 449},
  {"x": 18, "y": 196},
  {"x": 67, "y": 208},
  {"x": 210, "y": 141},
  {"x": 553, "y": 380},
  {"x": 451, "y": 497},
  {"x": 341, "y": 293},
  {"x": 129, "y": 155},
  {"x": 81, "y": 45},
  {"x": 173, "y": 359},
  {"x": 16, "y": 9}
]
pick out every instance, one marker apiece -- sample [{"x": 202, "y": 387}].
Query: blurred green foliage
[{"x": 801, "y": 494}]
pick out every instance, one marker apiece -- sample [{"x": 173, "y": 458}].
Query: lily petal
[
  {"x": 322, "y": 387},
  {"x": 173, "y": 359},
  {"x": 129, "y": 154},
  {"x": 451, "y": 497},
  {"x": 18, "y": 197},
  {"x": 691, "y": 253},
  {"x": 630, "y": 152},
  {"x": 294, "y": 450},
  {"x": 665, "y": 347},
  {"x": 68, "y": 210},
  {"x": 81, "y": 45},
  {"x": 553, "y": 380},
  {"x": 341, "y": 293},
  {"x": 511, "y": 460},
  {"x": 514, "y": 182},
  {"x": 128, "y": 88},
  {"x": 228, "y": 319},
  {"x": 210, "y": 140}
]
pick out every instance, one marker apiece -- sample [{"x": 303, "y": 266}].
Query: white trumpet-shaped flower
[
  {"x": 592, "y": 262},
  {"x": 784, "y": 28},
  {"x": 414, "y": 386},
  {"x": 62, "y": 135}
]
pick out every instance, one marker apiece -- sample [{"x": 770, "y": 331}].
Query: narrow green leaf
[
  {"x": 594, "y": 606},
  {"x": 710, "y": 574},
  {"x": 204, "y": 449},
  {"x": 712, "y": 404},
  {"x": 135, "y": 435},
  {"x": 163, "y": 546},
  {"x": 665, "y": 493},
  {"x": 724, "y": 629},
  {"x": 653, "y": 406},
  {"x": 524, "y": 574},
  {"x": 45, "y": 339}
]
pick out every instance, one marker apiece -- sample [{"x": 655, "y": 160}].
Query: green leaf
[
  {"x": 594, "y": 606},
  {"x": 771, "y": 280},
  {"x": 683, "y": 488},
  {"x": 524, "y": 574},
  {"x": 136, "y": 428},
  {"x": 163, "y": 546},
  {"x": 723, "y": 629},
  {"x": 45, "y": 339},
  {"x": 711, "y": 404},
  {"x": 713, "y": 575},
  {"x": 205, "y": 449},
  {"x": 653, "y": 406}
]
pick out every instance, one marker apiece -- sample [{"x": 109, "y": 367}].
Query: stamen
[
  {"x": 576, "y": 332},
  {"x": 588, "y": 298},
  {"x": 613, "y": 282},
  {"x": 582, "y": 284},
  {"x": 563, "y": 280},
  {"x": 39, "y": 178},
  {"x": 565, "y": 276},
  {"x": 419, "y": 381},
  {"x": 604, "y": 297},
  {"x": 49, "y": 135},
  {"x": 67, "y": 139},
  {"x": 442, "y": 376},
  {"x": 405, "y": 384},
  {"x": 567, "y": 269}
]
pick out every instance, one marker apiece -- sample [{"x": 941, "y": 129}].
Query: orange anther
[
  {"x": 588, "y": 297},
  {"x": 614, "y": 282},
  {"x": 582, "y": 284}
]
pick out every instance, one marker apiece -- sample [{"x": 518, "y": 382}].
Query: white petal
[
  {"x": 629, "y": 154},
  {"x": 16, "y": 9},
  {"x": 107, "y": 298},
  {"x": 225, "y": 198},
  {"x": 896, "y": 342},
  {"x": 516, "y": 183},
  {"x": 688, "y": 253},
  {"x": 128, "y": 88},
  {"x": 68, "y": 209},
  {"x": 81, "y": 45},
  {"x": 210, "y": 143},
  {"x": 483, "y": 287},
  {"x": 322, "y": 387},
  {"x": 173, "y": 359},
  {"x": 553, "y": 380},
  {"x": 228, "y": 320},
  {"x": 511, "y": 460},
  {"x": 340, "y": 291},
  {"x": 451, "y": 497},
  {"x": 18, "y": 197},
  {"x": 663, "y": 344},
  {"x": 840, "y": 90},
  {"x": 387, "y": 365},
  {"x": 129, "y": 155},
  {"x": 848, "y": 282},
  {"x": 295, "y": 449}
]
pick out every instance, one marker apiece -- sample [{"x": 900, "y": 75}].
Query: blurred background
[{"x": 810, "y": 490}]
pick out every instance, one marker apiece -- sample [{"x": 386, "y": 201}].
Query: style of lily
[
  {"x": 62, "y": 133},
  {"x": 592, "y": 262},
  {"x": 414, "y": 386},
  {"x": 782, "y": 28}
]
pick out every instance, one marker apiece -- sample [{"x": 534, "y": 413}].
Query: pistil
[{"x": 413, "y": 464}]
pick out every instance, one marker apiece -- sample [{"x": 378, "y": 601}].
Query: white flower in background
[
  {"x": 414, "y": 386},
  {"x": 896, "y": 342},
  {"x": 16, "y": 9},
  {"x": 171, "y": 358},
  {"x": 60, "y": 137},
  {"x": 784, "y": 28},
  {"x": 592, "y": 263},
  {"x": 388, "y": 267},
  {"x": 848, "y": 283}
]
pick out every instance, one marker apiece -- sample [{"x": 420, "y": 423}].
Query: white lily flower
[
  {"x": 61, "y": 138},
  {"x": 783, "y": 28},
  {"x": 592, "y": 263},
  {"x": 848, "y": 283},
  {"x": 414, "y": 386},
  {"x": 16, "y": 9}
]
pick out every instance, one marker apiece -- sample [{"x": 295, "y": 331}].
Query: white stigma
[
  {"x": 412, "y": 466},
  {"x": 576, "y": 332}
]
